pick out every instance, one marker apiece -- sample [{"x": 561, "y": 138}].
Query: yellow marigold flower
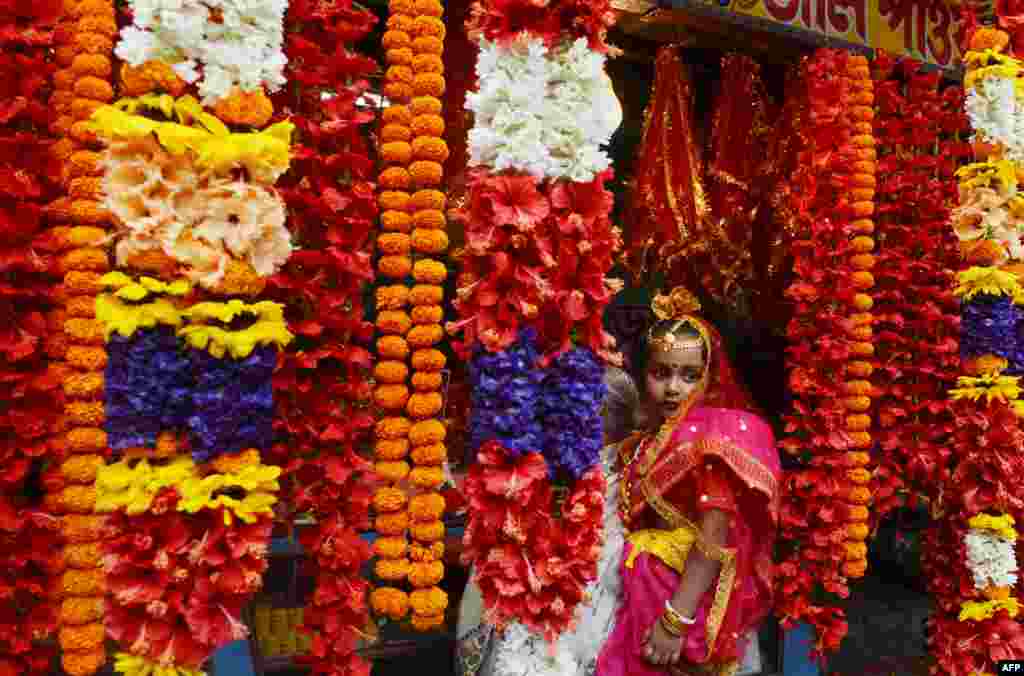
[
  {"x": 392, "y": 297},
  {"x": 60, "y": 101},
  {"x": 391, "y": 449},
  {"x": 858, "y": 422},
  {"x": 393, "y": 472},
  {"x": 62, "y": 125},
  {"x": 424, "y": 574},
  {"x": 65, "y": 54},
  {"x": 859, "y": 495},
  {"x": 986, "y": 364},
  {"x": 857, "y": 404},
  {"x": 428, "y": 44},
  {"x": 399, "y": 57},
  {"x": 426, "y": 507},
  {"x": 989, "y": 38},
  {"x": 85, "y": 439},
  {"x": 433, "y": 551},
  {"x": 235, "y": 463},
  {"x": 395, "y": 523},
  {"x": 387, "y": 500},
  {"x": 427, "y": 271},
  {"x": 395, "y": 267},
  {"x": 159, "y": 263},
  {"x": 82, "y": 283},
  {"x": 855, "y": 569},
  {"x": 395, "y": 39},
  {"x": 86, "y": 358},
  {"x": 85, "y": 163},
  {"x": 78, "y": 611},
  {"x": 402, "y": 74},
  {"x": 429, "y": 220},
  {"x": 1002, "y": 525},
  {"x": 979, "y": 611},
  {"x": 427, "y": 314},
  {"x": 427, "y": 382},
  {"x": 393, "y": 200},
  {"x": 391, "y": 372},
  {"x": 396, "y": 221},
  {"x": 405, "y": 7},
  {"x": 82, "y": 582},
  {"x": 394, "y": 322},
  {"x": 394, "y": 243},
  {"x": 392, "y": 569},
  {"x": 248, "y": 108},
  {"x": 856, "y": 513},
  {"x": 426, "y": 294},
  {"x": 134, "y": 665},
  {"x": 429, "y": 148},
  {"x": 101, "y": 24},
  {"x": 391, "y": 397},
  {"x": 389, "y": 602},
  {"x": 429, "y": 26},
  {"x": 428, "y": 199},
  {"x": 395, "y": 428},
  {"x": 855, "y": 550},
  {"x": 426, "y": 173},
  {"x": 85, "y": 332},
  {"x": 857, "y": 531},
  {"x": 398, "y": 91},
  {"x": 397, "y": 115},
  {"x": 996, "y": 593},
  {"x": 426, "y": 105},
  {"x": 427, "y": 63},
  {"x": 390, "y": 547},
  {"x": 428, "y": 125},
  {"x": 430, "y": 454},
  {"x": 429, "y": 241},
  {"x": 77, "y": 499},
  {"x": 427, "y": 432},
  {"x": 84, "y": 260},
  {"x": 396, "y": 152},
  {"x": 83, "y": 306},
  {"x": 431, "y": 601},
  {"x": 81, "y": 469},
  {"x": 82, "y": 528},
  {"x": 427, "y": 478},
  {"x": 85, "y": 413},
  {"x": 859, "y": 369},
  {"x": 392, "y": 347},
  {"x": 429, "y": 8},
  {"x": 425, "y": 623},
  {"x": 400, "y": 22},
  {"x": 83, "y": 638},
  {"x": 91, "y": 87},
  {"x": 84, "y": 556},
  {"x": 96, "y": 65},
  {"x": 84, "y": 385},
  {"x": 428, "y": 360},
  {"x": 83, "y": 235},
  {"x": 395, "y": 178},
  {"x": 425, "y": 335},
  {"x": 151, "y": 77}
]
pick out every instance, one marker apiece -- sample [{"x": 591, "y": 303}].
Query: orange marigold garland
[
  {"x": 414, "y": 150},
  {"x": 84, "y": 84},
  {"x": 825, "y": 503}
]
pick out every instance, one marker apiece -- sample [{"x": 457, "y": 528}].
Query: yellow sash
[{"x": 671, "y": 547}]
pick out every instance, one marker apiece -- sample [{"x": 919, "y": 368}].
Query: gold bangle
[{"x": 671, "y": 624}]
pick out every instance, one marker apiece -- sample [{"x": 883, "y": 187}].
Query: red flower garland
[
  {"x": 31, "y": 392},
  {"x": 531, "y": 567},
  {"x": 322, "y": 388},
  {"x": 918, "y": 340}
]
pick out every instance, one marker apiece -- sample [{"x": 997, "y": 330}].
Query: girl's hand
[{"x": 660, "y": 647}]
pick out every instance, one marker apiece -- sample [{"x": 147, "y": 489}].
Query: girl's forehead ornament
[{"x": 679, "y": 306}]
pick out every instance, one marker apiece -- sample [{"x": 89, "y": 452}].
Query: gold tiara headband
[{"x": 679, "y": 306}]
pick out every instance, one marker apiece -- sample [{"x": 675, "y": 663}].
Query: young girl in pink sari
[
  {"x": 685, "y": 573},
  {"x": 699, "y": 501}
]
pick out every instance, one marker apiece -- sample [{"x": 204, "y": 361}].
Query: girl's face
[{"x": 671, "y": 376}]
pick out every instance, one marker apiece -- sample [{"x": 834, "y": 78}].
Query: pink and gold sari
[{"x": 716, "y": 453}]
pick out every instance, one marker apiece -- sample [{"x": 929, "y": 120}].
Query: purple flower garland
[
  {"x": 154, "y": 384},
  {"x": 989, "y": 325},
  {"x": 506, "y": 397},
  {"x": 232, "y": 403},
  {"x": 147, "y": 387},
  {"x": 573, "y": 394}
]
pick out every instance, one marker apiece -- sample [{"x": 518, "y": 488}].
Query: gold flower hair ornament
[{"x": 679, "y": 306}]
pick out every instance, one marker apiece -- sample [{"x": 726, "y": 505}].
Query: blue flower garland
[
  {"x": 573, "y": 395},
  {"x": 989, "y": 325}
]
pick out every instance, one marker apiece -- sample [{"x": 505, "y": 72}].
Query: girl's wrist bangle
[{"x": 688, "y": 621}]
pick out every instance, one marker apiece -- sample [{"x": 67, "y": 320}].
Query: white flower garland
[
  {"x": 997, "y": 114},
  {"x": 991, "y": 559},
  {"x": 543, "y": 112},
  {"x": 236, "y": 43}
]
